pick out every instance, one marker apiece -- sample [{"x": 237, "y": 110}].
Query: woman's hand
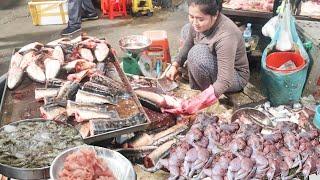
[
  {"x": 194, "y": 104},
  {"x": 173, "y": 71}
]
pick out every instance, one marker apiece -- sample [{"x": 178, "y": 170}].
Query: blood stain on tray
[{"x": 22, "y": 94}]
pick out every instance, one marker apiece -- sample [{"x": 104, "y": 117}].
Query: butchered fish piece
[
  {"x": 32, "y": 46},
  {"x": 36, "y": 73},
  {"x": 52, "y": 67},
  {"x": 101, "y": 51}
]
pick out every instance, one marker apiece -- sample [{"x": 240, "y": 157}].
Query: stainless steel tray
[
  {"x": 120, "y": 166},
  {"x": 20, "y": 104},
  {"x": 25, "y": 173}
]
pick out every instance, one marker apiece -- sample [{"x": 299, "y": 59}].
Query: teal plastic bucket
[
  {"x": 316, "y": 119},
  {"x": 284, "y": 87}
]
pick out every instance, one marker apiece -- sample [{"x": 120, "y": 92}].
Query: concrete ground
[{"x": 17, "y": 28}]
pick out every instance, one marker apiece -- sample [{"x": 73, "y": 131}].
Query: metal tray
[
  {"x": 120, "y": 166},
  {"x": 25, "y": 173},
  {"x": 20, "y": 104}
]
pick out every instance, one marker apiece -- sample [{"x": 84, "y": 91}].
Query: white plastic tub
[{"x": 46, "y": 12}]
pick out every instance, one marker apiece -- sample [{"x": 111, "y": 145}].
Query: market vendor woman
[{"x": 215, "y": 54}]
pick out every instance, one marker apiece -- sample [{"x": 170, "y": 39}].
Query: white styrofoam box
[{"x": 46, "y": 12}]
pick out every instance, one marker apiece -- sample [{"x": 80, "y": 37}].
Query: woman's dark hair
[{"x": 210, "y": 7}]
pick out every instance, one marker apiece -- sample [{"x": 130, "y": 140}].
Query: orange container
[
  {"x": 160, "y": 46},
  {"x": 277, "y": 59},
  {"x": 114, "y": 8}
]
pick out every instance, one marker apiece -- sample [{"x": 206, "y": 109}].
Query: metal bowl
[
  {"x": 252, "y": 115},
  {"x": 26, "y": 173},
  {"x": 118, "y": 164},
  {"x": 134, "y": 43}
]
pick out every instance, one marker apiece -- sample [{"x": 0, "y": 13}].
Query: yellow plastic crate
[{"x": 48, "y": 12}]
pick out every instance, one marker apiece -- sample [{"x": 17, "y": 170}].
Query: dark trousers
[{"x": 76, "y": 8}]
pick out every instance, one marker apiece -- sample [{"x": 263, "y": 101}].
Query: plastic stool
[
  {"x": 159, "y": 45},
  {"x": 114, "y": 8}
]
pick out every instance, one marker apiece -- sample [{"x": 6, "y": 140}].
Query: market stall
[
  {"x": 62, "y": 95},
  {"x": 204, "y": 145},
  {"x": 262, "y": 10}
]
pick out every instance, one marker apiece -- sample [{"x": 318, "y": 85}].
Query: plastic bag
[
  {"x": 269, "y": 29},
  {"x": 285, "y": 41}
]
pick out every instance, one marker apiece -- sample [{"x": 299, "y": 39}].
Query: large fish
[
  {"x": 16, "y": 60},
  {"x": 31, "y": 46},
  {"x": 87, "y": 97},
  {"x": 101, "y": 51},
  {"x": 36, "y": 73},
  {"x": 58, "y": 54},
  {"x": 41, "y": 93},
  {"x": 86, "y": 54},
  {"x": 27, "y": 59},
  {"x": 52, "y": 67},
  {"x": 15, "y": 73}
]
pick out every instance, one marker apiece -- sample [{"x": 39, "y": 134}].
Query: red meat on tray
[{"x": 86, "y": 165}]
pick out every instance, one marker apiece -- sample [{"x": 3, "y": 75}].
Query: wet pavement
[{"x": 17, "y": 29}]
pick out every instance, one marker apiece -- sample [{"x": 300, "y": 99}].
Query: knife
[{"x": 166, "y": 84}]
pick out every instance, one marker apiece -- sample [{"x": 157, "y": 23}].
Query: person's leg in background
[
  {"x": 79, "y": 10},
  {"x": 74, "y": 13},
  {"x": 88, "y": 11}
]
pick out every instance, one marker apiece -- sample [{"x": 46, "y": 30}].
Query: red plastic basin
[{"x": 276, "y": 59}]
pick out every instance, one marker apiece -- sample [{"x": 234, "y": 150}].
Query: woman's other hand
[{"x": 173, "y": 71}]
